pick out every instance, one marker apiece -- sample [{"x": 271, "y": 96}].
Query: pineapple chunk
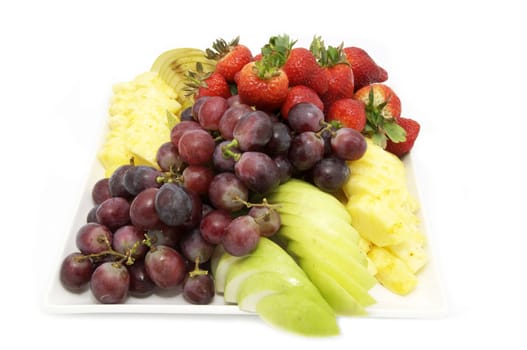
[
  {"x": 138, "y": 122},
  {"x": 392, "y": 272},
  {"x": 376, "y": 221}
]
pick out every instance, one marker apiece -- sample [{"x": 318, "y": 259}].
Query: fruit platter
[{"x": 276, "y": 183}]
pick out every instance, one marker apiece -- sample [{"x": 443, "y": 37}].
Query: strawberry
[
  {"x": 297, "y": 94},
  {"x": 263, "y": 83},
  {"x": 411, "y": 127},
  {"x": 383, "y": 109},
  {"x": 231, "y": 57},
  {"x": 302, "y": 68},
  {"x": 200, "y": 84},
  {"x": 348, "y": 112},
  {"x": 365, "y": 70},
  {"x": 264, "y": 88},
  {"x": 337, "y": 70}
]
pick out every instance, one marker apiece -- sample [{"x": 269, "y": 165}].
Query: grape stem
[
  {"x": 264, "y": 203},
  {"x": 197, "y": 270},
  {"x": 227, "y": 150},
  {"x": 123, "y": 258}
]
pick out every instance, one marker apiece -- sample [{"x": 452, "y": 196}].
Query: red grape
[
  {"x": 110, "y": 282},
  {"x": 241, "y": 236}
]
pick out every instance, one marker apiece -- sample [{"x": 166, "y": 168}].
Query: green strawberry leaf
[
  {"x": 394, "y": 131},
  {"x": 379, "y": 138}
]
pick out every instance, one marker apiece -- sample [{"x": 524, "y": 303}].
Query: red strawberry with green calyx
[
  {"x": 337, "y": 70},
  {"x": 412, "y": 128},
  {"x": 231, "y": 57},
  {"x": 383, "y": 109},
  {"x": 201, "y": 84},
  {"x": 263, "y": 84}
]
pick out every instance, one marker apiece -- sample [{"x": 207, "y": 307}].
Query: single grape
[
  {"x": 129, "y": 238},
  {"x": 173, "y": 204},
  {"x": 141, "y": 177},
  {"x": 268, "y": 219},
  {"x": 305, "y": 116},
  {"x": 285, "y": 168},
  {"x": 197, "y": 178},
  {"x": 141, "y": 285},
  {"x": 257, "y": 171},
  {"x": 213, "y": 225},
  {"x": 168, "y": 158},
  {"x": 116, "y": 182},
  {"x": 198, "y": 289},
  {"x": 226, "y": 190},
  {"x": 223, "y": 158},
  {"x": 211, "y": 111},
  {"x": 92, "y": 216},
  {"x": 348, "y": 144},
  {"x": 194, "y": 247},
  {"x": 280, "y": 140},
  {"x": 306, "y": 149},
  {"x": 110, "y": 282},
  {"x": 253, "y": 131},
  {"x": 241, "y": 236},
  {"x": 75, "y": 272},
  {"x": 197, "y": 105},
  {"x": 330, "y": 174},
  {"x": 143, "y": 213},
  {"x": 101, "y": 191},
  {"x": 93, "y": 238},
  {"x": 165, "y": 266},
  {"x": 186, "y": 115},
  {"x": 196, "y": 147},
  {"x": 113, "y": 213},
  {"x": 180, "y": 128},
  {"x": 229, "y": 119}
]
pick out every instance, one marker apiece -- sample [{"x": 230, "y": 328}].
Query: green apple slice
[
  {"x": 336, "y": 296},
  {"x": 298, "y": 312},
  {"x": 264, "y": 283},
  {"x": 345, "y": 262},
  {"x": 223, "y": 265},
  {"x": 263, "y": 259},
  {"x": 344, "y": 279},
  {"x": 326, "y": 222},
  {"x": 317, "y": 236}
]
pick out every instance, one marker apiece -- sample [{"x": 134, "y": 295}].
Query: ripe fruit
[
  {"x": 209, "y": 84},
  {"x": 383, "y": 108},
  {"x": 230, "y": 57},
  {"x": 365, "y": 70},
  {"x": 336, "y": 69},
  {"x": 385, "y": 213},
  {"x": 302, "y": 68},
  {"x": 411, "y": 127},
  {"x": 349, "y": 112},
  {"x": 262, "y": 85}
]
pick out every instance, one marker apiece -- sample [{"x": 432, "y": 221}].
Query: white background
[{"x": 458, "y": 67}]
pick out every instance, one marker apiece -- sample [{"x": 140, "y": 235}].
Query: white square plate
[{"x": 427, "y": 300}]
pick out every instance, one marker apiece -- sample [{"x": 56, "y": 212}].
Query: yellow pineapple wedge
[
  {"x": 392, "y": 272},
  {"x": 138, "y": 122},
  {"x": 384, "y": 213}
]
